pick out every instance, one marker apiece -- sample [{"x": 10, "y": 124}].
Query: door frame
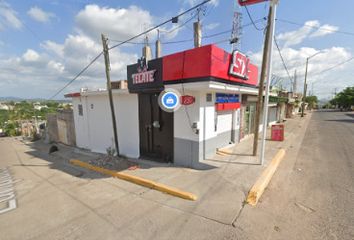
[{"x": 148, "y": 131}]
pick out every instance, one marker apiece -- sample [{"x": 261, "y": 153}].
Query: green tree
[
  {"x": 345, "y": 98},
  {"x": 10, "y": 129},
  {"x": 312, "y": 101},
  {"x": 4, "y": 117}
]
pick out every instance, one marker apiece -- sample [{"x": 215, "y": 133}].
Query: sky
[{"x": 45, "y": 43}]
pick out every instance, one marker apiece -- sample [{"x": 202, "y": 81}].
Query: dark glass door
[{"x": 156, "y": 129}]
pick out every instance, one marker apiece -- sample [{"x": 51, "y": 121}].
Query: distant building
[{"x": 4, "y": 107}]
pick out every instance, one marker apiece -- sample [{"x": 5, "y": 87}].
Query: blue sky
[{"x": 44, "y": 43}]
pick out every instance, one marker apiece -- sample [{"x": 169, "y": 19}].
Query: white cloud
[
  {"x": 8, "y": 17},
  {"x": 295, "y": 59},
  {"x": 195, "y": 2},
  {"x": 40, "y": 15},
  {"x": 310, "y": 29},
  {"x": 30, "y": 56},
  {"x": 50, "y": 67},
  {"x": 324, "y": 30},
  {"x": 299, "y": 35},
  {"x": 53, "y": 47},
  {"x": 211, "y": 26},
  {"x": 117, "y": 23}
]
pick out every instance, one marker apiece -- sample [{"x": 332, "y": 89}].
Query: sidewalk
[{"x": 221, "y": 189}]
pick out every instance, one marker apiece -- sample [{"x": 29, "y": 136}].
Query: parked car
[{"x": 2, "y": 134}]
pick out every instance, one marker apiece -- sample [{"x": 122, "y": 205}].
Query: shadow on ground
[
  {"x": 57, "y": 161},
  {"x": 341, "y": 120}
]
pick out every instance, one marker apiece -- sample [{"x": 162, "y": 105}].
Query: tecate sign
[
  {"x": 143, "y": 77},
  {"x": 239, "y": 65},
  {"x": 249, "y": 2}
]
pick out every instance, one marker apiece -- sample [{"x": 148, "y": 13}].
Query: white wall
[
  {"x": 100, "y": 128},
  {"x": 182, "y": 125},
  {"x": 94, "y": 129},
  {"x": 224, "y": 121},
  {"x": 127, "y": 115},
  {"x": 81, "y": 127},
  {"x": 207, "y": 116}
]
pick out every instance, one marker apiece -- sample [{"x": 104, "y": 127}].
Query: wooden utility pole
[
  {"x": 259, "y": 107},
  {"x": 109, "y": 89},
  {"x": 305, "y": 90}
]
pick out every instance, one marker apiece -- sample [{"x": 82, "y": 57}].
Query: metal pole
[
  {"x": 109, "y": 89},
  {"x": 259, "y": 106},
  {"x": 273, "y": 9},
  {"x": 304, "y": 95}
]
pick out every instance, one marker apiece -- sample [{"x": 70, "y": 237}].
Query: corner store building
[{"x": 221, "y": 113}]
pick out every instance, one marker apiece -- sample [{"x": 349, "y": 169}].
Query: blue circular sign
[{"x": 170, "y": 100}]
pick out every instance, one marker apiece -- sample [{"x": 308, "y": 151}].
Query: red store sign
[
  {"x": 187, "y": 100},
  {"x": 249, "y": 2},
  {"x": 239, "y": 65}
]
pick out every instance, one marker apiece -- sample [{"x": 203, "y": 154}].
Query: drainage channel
[{"x": 7, "y": 192}]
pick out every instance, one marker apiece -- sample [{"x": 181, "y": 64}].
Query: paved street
[{"x": 310, "y": 196}]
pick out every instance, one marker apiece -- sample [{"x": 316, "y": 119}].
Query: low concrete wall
[
  {"x": 52, "y": 127},
  {"x": 66, "y": 119},
  {"x": 67, "y": 116},
  {"x": 187, "y": 153}
]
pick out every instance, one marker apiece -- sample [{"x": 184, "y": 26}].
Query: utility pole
[
  {"x": 272, "y": 10},
  {"x": 109, "y": 89},
  {"x": 305, "y": 89},
  {"x": 158, "y": 45},
  {"x": 265, "y": 63},
  {"x": 295, "y": 83},
  {"x": 197, "y": 30}
]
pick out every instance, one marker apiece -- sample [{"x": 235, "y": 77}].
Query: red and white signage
[
  {"x": 187, "y": 100},
  {"x": 143, "y": 77},
  {"x": 249, "y": 2},
  {"x": 239, "y": 65}
]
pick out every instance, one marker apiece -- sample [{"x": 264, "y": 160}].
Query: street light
[{"x": 305, "y": 84}]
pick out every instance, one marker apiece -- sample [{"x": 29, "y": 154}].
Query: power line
[
  {"x": 310, "y": 26},
  {"x": 330, "y": 68},
  {"x": 78, "y": 75},
  {"x": 126, "y": 41},
  {"x": 282, "y": 59},
  {"x": 159, "y": 25},
  {"x": 253, "y": 23},
  {"x": 191, "y": 39}
]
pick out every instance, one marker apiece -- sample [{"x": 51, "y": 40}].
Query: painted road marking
[{"x": 7, "y": 193}]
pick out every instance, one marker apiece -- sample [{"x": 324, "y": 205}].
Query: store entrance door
[{"x": 156, "y": 129}]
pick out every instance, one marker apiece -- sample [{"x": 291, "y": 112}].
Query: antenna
[{"x": 236, "y": 27}]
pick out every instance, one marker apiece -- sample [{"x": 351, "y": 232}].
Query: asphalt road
[{"x": 312, "y": 194}]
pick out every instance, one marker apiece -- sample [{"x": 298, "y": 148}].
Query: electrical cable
[
  {"x": 159, "y": 25},
  {"x": 323, "y": 29},
  {"x": 126, "y": 41},
  {"x": 250, "y": 17},
  {"x": 191, "y": 39},
  {"x": 330, "y": 68},
  {"x": 78, "y": 75},
  {"x": 282, "y": 59}
]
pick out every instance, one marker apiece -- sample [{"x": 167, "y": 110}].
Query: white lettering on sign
[
  {"x": 239, "y": 65},
  {"x": 143, "y": 77}
]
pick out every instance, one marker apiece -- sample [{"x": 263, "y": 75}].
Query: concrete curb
[
  {"x": 258, "y": 188},
  {"x": 137, "y": 180}
]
